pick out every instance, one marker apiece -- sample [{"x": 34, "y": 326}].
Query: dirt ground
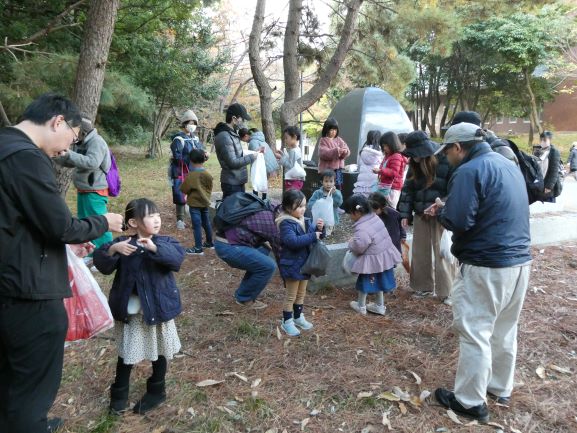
[
  {"x": 338, "y": 377},
  {"x": 334, "y": 378}
]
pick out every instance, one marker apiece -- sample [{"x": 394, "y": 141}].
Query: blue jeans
[
  {"x": 258, "y": 265},
  {"x": 200, "y": 220}
]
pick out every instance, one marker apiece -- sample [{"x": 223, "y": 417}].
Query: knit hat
[{"x": 187, "y": 116}]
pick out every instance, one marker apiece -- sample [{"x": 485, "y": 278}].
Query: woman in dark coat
[{"x": 427, "y": 179}]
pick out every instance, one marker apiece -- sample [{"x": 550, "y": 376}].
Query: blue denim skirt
[{"x": 373, "y": 283}]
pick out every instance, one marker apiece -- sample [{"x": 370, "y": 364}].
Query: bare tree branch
[{"x": 52, "y": 25}]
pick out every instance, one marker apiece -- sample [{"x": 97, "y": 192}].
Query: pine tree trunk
[
  {"x": 260, "y": 80},
  {"x": 96, "y": 40}
]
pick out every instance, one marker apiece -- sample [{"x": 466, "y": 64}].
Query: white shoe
[
  {"x": 448, "y": 301},
  {"x": 180, "y": 225},
  {"x": 303, "y": 323},
  {"x": 377, "y": 309},
  {"x": 355, "y": 306}
]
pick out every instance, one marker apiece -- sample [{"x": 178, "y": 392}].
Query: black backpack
[
  {"x": 237, "y": 207},
  {"x": 531, "y": 170}
]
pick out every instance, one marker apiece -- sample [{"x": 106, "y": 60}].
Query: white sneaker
[
  {"x": 180, "y": 225},
  {"x": 289, "y": 327},
  {"x": 361, "y": 310},
  {"x": 303, "y": 323},
  {"x": 448, "y": 301},
  {"x": 377, "y": 309}
]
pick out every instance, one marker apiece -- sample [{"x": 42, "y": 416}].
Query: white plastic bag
[
  {"x": 297, "y": 172},
  {"x": 445, "y": 247},
  {"x": 323, "y": 208},
  {"x": 258, "y": 177},
  {"x": 348, "y": 261}
]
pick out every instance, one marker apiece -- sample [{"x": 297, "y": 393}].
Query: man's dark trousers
[{"x": 32, "y": 337}]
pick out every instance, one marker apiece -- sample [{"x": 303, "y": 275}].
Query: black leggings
[{"x": 123, "y": 371}]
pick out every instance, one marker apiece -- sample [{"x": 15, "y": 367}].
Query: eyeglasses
[
  {"x": 76, "y": 138},
  {"x": 447, "y": 147}
]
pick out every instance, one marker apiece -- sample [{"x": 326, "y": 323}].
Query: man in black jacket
[{"x": 35, "y": 225}]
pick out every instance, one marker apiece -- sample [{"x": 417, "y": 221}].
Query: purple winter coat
[{"x": 373, "y": 246}]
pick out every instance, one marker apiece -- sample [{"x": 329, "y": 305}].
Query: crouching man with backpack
[
  {"x": 91, "y": 160},
  {"x": 244, "y": 224}
]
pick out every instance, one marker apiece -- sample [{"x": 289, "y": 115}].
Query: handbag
[
  {"x": 178, "y": 197},
  {"x": 318, "y": 260},
  {"x": 87, "y": 310}
]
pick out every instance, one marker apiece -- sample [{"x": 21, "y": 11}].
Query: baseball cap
[
  {"x": 460, "y": 133},
  {"x": 238, "y": 110}
]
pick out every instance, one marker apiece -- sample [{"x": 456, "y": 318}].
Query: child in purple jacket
[{"x": 376, "y": 256}]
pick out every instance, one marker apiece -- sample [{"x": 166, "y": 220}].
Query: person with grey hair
[
  {"x": 90, "y": 158},
  {"x": 488, "y": 212}
]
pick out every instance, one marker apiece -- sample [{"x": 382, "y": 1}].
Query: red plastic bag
[{"x": 87, "y": 309}]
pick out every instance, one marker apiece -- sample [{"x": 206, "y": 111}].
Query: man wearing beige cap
[{"x": 487, "y": 211}]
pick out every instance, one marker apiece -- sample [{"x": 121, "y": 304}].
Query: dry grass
[{"x": 326, "y": 368}]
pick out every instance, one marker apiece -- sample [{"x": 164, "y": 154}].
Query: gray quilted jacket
[
  {"x": 229, "y": 153},
  {"x": 91, "y": 158}
]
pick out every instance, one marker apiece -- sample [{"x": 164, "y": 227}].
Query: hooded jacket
[
  {"x": 35, "y": 223},
  {"x": 373, "y": 246},
  {"x": 367, "y": 180},
  {"x": 91, "y": 158},
  {"x": 488, "y": 212},
  {"x": 229, "y": 153}
]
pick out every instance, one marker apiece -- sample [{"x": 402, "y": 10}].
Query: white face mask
[{"x": 191, "y": 127}]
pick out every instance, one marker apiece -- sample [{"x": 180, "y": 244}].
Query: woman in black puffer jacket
[{"x": 427, "y": 179}]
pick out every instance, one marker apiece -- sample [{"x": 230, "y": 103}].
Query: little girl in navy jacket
[
  {"x": 144, "y": 300},
  {"x": 297, "y": 235}
]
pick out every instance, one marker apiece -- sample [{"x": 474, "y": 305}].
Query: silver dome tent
[{"x": 358, "y": 112}]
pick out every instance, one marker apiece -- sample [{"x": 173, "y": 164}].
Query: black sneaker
[
  {"x": 504, "y": 401},
  {"x": 194, "y": 251},
  {"x": 208, "y": 246},
  {"x": 447, "y": 399}
]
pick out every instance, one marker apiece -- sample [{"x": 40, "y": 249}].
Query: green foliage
[{"x": 160, "y": 58}]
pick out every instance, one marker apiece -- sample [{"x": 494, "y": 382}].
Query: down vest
[
  {"x": 416, "y": 196},
  {"x": 229, "y": 153}
]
